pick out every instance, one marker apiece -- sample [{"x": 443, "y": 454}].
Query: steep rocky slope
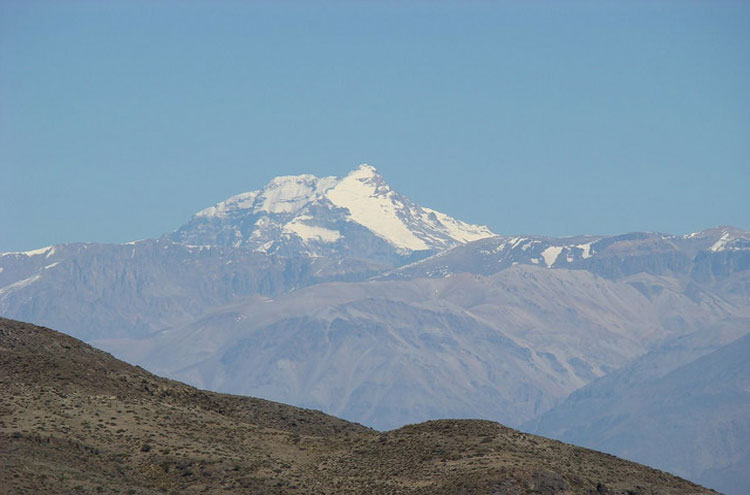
[
  {"x": 684, "y": 408},
  {"x": 135, "y": 289},
  {"x": 75, "y": 420},
  {"x": 505, "y": 347}
]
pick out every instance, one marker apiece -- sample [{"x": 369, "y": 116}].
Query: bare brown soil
[{"x": 75, "y": 420}]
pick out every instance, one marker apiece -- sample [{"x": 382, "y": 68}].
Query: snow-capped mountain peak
[
  {"x": 292, "y": 193},
  {"x": 314, "y": 215},
  {"x": 372, "y": 203},
  {"x": 242, "y": 201},
  {"x": 364, "y": 171},
  {"x": 285, "y": 194}
]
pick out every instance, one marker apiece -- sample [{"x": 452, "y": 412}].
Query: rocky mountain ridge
[{"x": 706, "y": 256}]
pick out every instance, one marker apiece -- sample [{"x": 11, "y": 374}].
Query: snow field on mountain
[
  {"x": 550, "y": 254},
  {"x": 311, "y": 232},
  {"x": 358, "y": 193},
  {"x": 304, "y": 205}
]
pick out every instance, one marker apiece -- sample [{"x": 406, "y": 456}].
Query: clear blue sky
[{"x": 120, "y": 119}]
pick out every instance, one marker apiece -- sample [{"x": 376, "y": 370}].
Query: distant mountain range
[
  {"x": 684, "y": 407},
  {"x": 343, "y": 295}
]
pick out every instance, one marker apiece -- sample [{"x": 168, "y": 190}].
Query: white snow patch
[
  {"x": 721, "y": 243},
  {"x": 527, "y": 245},
  {"x": 20, "y": 284},
  {"x": 242, "y": 201},
  {"x": 495, "y": 250},
  {"x": 265, "y": 247},
  {"x": 51, "y": 266},
  {"x": 535, "y": 260},
  {"x": 456, "y": 229},
  {"x": 550, "y": 254},
  {"x": 500, "y": 247},
  {"x": 311, "y": 232},
  {"x": 33, "y": 252},
  {"x": 516, "y": 241},
  {"x": 285, "y": 194},
  {"x": 38, "y": 251},
  {"x": 586, "y": 250},
  {"x": 358, "y": 192},
  {"x": 288, "y": 194}
]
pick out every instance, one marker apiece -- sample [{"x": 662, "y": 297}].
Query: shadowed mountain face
[
  {"x": 684, "y": 408},
  {"x": 75, "y": 420},
  {"x": 135, "y": 289},
  {"x": 505, "y": 347}
]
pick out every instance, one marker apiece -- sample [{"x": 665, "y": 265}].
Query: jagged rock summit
[{"x": 356, "y": 214}]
